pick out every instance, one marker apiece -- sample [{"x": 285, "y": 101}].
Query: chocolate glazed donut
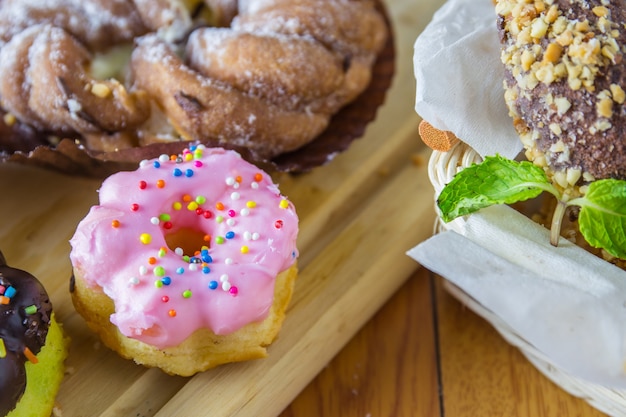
[{"x": 25, "y": 312}]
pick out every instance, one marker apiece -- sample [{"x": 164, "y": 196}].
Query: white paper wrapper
[
  {"x": 567, "y": 303},
  {"x": 459, "y": 77}
]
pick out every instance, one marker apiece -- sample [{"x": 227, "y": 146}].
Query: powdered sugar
[{"x": 94, "y": 22}]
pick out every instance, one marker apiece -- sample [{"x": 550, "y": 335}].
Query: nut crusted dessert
[{"x": 564, "y": 86}]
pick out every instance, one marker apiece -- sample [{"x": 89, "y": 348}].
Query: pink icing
[{"x": 125, "y": 245}]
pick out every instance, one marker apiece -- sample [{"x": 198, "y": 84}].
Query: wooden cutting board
[{"x": 358, "y": 216}]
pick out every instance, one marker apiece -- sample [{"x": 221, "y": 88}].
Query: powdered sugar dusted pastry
[
  {"x": 96, "y": 24},
  {"x": 199, "y": 106},
  {"x": 253, "y": 83},
  {"x": 187, "y": 262},
  {"x": 45, "y": 83}
]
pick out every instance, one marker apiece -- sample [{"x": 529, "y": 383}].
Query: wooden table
[
  {"x": 349, "y": 346},
  {"x": 425, "y": 355}
]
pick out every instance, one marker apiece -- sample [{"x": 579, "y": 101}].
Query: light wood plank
[{"x": 388, "y": 369}]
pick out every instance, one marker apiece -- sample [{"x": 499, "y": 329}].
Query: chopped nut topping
[
  {"x": 573, "y": 175},
  {"x": 560, "y": 177},
  {"x": 553, "y": 53},
  {"x": 552, "y": 15},
  {"x": 540, "y": 6},
  {"x": 527, "y": 59},
  {"x": 101, "y": 90},
  {"x": 605, "y": 107},
  {"x": 9, "y": 119},
  {"x": 539, "y": 28},
  {"x": 619, "y": 96},
  {"x": 555, "y": 128},
  {"x": 600, "y": 126},
  {"x": 600, "y": 11},
  {"x": 562, "y": 105},
  {"x": 558, "y": 147}
]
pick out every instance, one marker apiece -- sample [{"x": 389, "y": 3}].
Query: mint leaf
[
  {"x": 496, "y": 180},
  {"x": 602, "y": 218}
]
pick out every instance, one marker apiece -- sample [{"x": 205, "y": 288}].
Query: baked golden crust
[
  {"x": 296, "y": 74},
  {"x": 332, "y": 23},
  {"x": 203, "y": 349},
  {"x": 200, "y": 107},
  {"x": 96, "y": 24}
]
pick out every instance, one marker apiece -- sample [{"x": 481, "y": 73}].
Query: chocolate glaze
[{"x": 20, "y": 330}]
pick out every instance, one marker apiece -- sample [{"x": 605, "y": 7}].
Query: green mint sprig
[{"x": 497, "y": 180}]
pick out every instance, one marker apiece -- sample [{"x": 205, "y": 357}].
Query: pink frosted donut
[{"x": 183, "y": 245}]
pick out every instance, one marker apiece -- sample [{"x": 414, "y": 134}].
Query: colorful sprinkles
[
  {"x": 7, "y": 294},
  {"x": 223, "y": 215},
  {"x": 30, "y": 355}
]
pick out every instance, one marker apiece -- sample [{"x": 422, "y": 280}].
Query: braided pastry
[
  {"x": 264, "y": 75},
  {"x": 45, "y": 84}
]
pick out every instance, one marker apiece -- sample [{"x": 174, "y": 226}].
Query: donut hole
[
  {"x": 111, "y": 63},
  {"x": 188, "y": 239}
]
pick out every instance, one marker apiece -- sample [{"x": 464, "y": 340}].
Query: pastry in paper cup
[
  {"x": 561, "y": 305},
  {"x": 291, "y": 122}
]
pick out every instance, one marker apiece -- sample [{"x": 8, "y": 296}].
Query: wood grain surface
[
  {"x": 426, "y": 355},
  {"x": 369, "y": 333}
]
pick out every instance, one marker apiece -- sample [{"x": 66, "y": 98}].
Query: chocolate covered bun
[
  {"x": 565, "y": 85},
  {"x": 25, "y": 314}
]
